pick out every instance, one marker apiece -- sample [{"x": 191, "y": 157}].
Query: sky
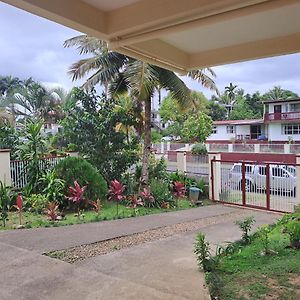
[{"x": 31, "y": 46}]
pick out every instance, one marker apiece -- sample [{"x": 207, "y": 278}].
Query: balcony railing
[{"x": 286, "y": 116}]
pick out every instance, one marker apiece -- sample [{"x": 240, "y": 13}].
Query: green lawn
[
  {"x": 248, "y": 275},
  {"x": 108, "y": 212}
]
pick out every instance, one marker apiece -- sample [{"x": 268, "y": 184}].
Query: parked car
[{"x": 282, "y": 178}]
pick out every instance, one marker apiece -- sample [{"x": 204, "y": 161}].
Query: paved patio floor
[{"x": 163, "y": 269}]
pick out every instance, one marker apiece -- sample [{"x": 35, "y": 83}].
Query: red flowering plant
[
  {"x": 19, "y": 207},
  {"x": 147, "y": 197},
  {"x": 76, "y": 195},
  {"x": 134, "y": 203},
  {"x": 116, "y": 192},
  {"x": 52, "y": 211},
  {"x": 179, "y": 191}
]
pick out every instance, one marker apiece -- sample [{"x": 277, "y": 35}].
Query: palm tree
[
  {"x": 230, "y": 93},
  {"x": 122, "y": 73}
]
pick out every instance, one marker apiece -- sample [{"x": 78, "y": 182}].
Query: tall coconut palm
[{"x": 140, "y": 79}]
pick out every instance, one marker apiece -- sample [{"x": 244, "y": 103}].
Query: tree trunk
[{"x": 147, "y": 143}]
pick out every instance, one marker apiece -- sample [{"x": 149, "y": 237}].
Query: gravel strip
[{"x": 80, "y": 253}]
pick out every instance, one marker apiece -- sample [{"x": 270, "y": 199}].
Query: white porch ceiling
[{"x": 181, "y": 35}]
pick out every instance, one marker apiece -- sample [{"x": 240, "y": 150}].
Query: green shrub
[
  {"x": 245, "y": 226},
  {"x": 157, "y": 169},
  {"x": 35, "y": 203},
  {"x": 199, "y": 149},
  {"x": 293, "y": 229},
  {"x": 77, "y": 168},
  {"x": 161, "y": 193}
]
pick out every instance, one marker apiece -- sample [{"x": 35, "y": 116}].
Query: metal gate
[{"x": 268, "y": 185}]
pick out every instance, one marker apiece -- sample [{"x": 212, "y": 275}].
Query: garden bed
[
  {"x": 108, "y": 212},
  {"x": 265, "y": 269}
]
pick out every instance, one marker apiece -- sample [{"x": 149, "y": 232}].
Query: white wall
[
  {"x": 243, "y": 129},
  {"x": 275, "y": 133},
  {"x": 221, "y": 134}
]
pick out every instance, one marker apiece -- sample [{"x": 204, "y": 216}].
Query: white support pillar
[
  {"x": 230, "y": 147},
  {"x": 181, "y": 162},
  {"x": 168, "y": 146},
  {"x": 287, "y": 148},
  {"x": 5, "y": 176},
  {"x": 187, "y": 147},
  {"x": 214, "y": 176},
  {"x": 162, "y": 147},
  {"x": 256, "y": 148}
]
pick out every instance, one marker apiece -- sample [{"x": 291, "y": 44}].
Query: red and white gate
[{"x": 264, "y": 185}]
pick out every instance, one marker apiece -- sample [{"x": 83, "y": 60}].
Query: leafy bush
[
  {"x": 78, "y": 169},
  {"x": 199, "y": 149},
  {"x": 245, "y": 226},
  {"x": 201, "y": 249},
  {"x": 5, "y": 198},
  {"x": 293, "y": 229},
  {"x": 35, "y": 202},
  {"x": 160, "y": 192},
  {"x": 157, "y": 169},
  {"x": 52, "y": 187}
]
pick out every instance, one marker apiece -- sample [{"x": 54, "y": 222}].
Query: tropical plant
[
  {"x": 134, "y": 203},
  {"x": 179, "y": 190},
  {"x": 33, "y": 149},
  {"x": 245, "y": 225},
  {"x": 5, "y": 198},
  {"x": 9, "y": 139},
  {"x": 79, "y": 169},
  {"x": 52, "y": 211},
  {"x": 116, "y": 192},
  {"x": 264, "y": 234},
  {"x": 90, "y": 124},
  {"x": 147, "y": 197},
  {"x": 96, "y": 206},
  {"x": 35, "y": 203},
  {"x": 161, "y": 193},
  {"x": 201, "y": 249},
  {"x": 19, "y": 206},
  {"x": 76, "y": 195},
  {"x": 52, "y": 186},
  {"x": 121, "y": 73}
]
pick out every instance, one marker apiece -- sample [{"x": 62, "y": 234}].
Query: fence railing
[
  {"x": 164, "y": 147},
  {"x": 19, "y": 169}
]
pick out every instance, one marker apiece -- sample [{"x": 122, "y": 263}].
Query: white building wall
[
  {"x": 275, "y": 133},
  {"x": 221, "y": 134},
  {"x": 243, "y": 129}
]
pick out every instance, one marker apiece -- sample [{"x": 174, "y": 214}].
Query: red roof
[{"x": 239, "y": 122}]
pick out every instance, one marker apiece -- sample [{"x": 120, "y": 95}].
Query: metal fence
[
  {"x": 269, "y": 186},
  {"x": 19, "y": 169}
]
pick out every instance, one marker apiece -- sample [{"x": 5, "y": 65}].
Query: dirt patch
[{"x": 80, "y": 253}]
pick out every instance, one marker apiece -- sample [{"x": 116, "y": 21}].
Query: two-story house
[{"x": 281, "y": 124}]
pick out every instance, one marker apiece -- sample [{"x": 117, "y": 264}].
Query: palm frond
[{"x": 204, "y": 79}]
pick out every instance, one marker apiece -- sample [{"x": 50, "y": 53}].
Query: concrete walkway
[{"x": 164, "y": 269}]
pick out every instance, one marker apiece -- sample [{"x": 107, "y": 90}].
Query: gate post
[
  {"x": 181, "y": 162},
  {"x": 5, "y": 176},
  {"x": 297, "y": 177},
  {"x": 214, "y": 176}
]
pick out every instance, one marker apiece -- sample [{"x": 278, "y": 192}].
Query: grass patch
[
  {"x": 108, "y": 212},
  {"x": 247, "y": 274}
]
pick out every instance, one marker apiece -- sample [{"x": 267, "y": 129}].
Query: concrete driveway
[{"x": 163, "y": 269}]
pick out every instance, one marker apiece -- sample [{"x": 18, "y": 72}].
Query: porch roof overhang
[{"x": 181, "y": 35}]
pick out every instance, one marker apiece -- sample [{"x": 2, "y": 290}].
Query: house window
[
  {"x": 295, "y": 107},
  {"x": 214, "y": 130},
  {"x": 230, "y": 129},
  {"x": 291, "y": 129}
]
